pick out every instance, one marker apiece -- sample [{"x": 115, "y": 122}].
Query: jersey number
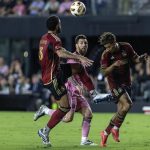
[{"x": 41, "y": 53}]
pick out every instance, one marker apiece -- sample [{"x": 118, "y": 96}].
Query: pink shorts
[{"x": 76, "y": 99}]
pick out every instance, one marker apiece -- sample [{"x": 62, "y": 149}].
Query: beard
[{"x": 82, "y": 52}]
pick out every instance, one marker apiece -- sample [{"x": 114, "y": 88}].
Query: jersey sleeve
[
  {"x": 57, "y": 45},
  {"x": 131, "y": 53},
  {"x": 56, "y": 42}
]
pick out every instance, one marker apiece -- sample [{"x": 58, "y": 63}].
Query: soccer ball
[{"x": 77, "y": 8}]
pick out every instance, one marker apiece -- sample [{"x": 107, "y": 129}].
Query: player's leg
[
  {"x": 104, "y": 134},
  {"x": 59, "y": 92},
  {"x": 77, "y": 68},
  {"x": 124, "y": 106},
  {"x": 108, "y": 129},
  {"x": 43, "y": 110},
  {"x": 73, "y": 103},
  {"x": 55, "y": 119},
  {"x": 84, "y": 108}
]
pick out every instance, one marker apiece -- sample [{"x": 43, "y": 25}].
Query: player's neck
[
  {"x": 117, "y": 46},
  {"x": 116, "y": 49},
  {"x": 52, "y": 32}
]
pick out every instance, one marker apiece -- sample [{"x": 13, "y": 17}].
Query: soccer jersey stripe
[
  {"x": 52, "y": 67},
  {"x": 55, "y": 37}
]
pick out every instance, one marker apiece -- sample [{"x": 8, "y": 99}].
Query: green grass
[{"x": 19, "y": 132}]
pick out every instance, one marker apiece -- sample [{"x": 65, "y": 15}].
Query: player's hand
[
  {"x": 144, "y": 57},
  {"x": 68, "y": 117},
  {"x": 119, "y": 63},
  {"x": 85, "y": 61}
]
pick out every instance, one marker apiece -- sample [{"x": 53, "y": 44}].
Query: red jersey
[
  {"x": 120, "y": 76},
  {"x": 48, "y": 58}
]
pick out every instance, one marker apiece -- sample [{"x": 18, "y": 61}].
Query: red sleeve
[
  {"x": 131, "y": 53},
  {"x": 56, "y": 42},
  {"x": 57, "y": 45},
  {"x": 104, "y": 61}
]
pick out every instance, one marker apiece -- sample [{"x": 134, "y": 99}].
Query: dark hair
[
  {"x": 81, "y": 36},
  {"x": 52, "y": 22},
  {"x": 107, "y": 37}
]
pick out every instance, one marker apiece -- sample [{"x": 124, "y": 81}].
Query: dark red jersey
[
  {"x": 120, "y": 76},
  {"x": 48, "y": 58}
]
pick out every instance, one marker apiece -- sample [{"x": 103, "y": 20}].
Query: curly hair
[
  {"x": 52, "y": 22},
  {"x": 107, "y": 37}
]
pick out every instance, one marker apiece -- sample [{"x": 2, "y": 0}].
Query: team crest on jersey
[
  {"x": 112, "y": 58},
  {"x": 124, "y": 53}
]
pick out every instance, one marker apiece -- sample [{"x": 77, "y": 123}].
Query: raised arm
[{"x": 63, "y": 53}]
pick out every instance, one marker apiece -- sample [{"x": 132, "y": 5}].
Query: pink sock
[{"x": 85, "y": 127}]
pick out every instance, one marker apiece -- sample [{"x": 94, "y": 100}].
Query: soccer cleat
[
  {"x": 103, "y": 139},
  {"x": 39, "y": 113},
  {"x": 115, "y": 134},
  {"x": 102, "y": 98},
  {"x": 88, "y": 143},
  {"x": 44, "y": 137}
]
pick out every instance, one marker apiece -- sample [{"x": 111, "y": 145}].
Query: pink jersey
[{"x": 76, "y": 99}]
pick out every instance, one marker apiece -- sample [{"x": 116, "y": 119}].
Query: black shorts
[
  {"x": 118, "y": 92},
  {"x": 57, "y": 86}
]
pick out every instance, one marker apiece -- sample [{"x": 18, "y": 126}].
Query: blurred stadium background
[{"x": 22, "y": 22}]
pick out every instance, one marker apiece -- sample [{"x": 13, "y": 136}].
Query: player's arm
[
  {"x": 107, "y": 70},
  {"x": 134, "y": 57},
  {"x": 63, "y": 53},
  {"x": 106, "y": 67},
  {"x": 141, "y": 58}
]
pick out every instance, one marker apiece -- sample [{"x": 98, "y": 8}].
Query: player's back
[{"x": 48, "y": 58}]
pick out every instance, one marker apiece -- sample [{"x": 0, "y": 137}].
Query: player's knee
[
  {"x": 88, "y": 117},
  {"x": 64, "y": 109},
  {"x": 126, "y": 107}
]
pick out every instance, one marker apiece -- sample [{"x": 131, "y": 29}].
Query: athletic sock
[{"x": 56, "y": 118}]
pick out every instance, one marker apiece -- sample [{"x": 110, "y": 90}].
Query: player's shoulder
[
  {"x": 55, "y": 37},
  {"x": 51, "y": 37},
  {"x": 125, "y": 44}
]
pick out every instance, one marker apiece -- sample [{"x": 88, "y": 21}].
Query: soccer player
[
  {"x": 115, "y": 66},
  {"x": 54, "y": 74},
  {"x": 77, "y": 101}
]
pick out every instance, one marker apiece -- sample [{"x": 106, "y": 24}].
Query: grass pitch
[{"x": 18, "y": 131}]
